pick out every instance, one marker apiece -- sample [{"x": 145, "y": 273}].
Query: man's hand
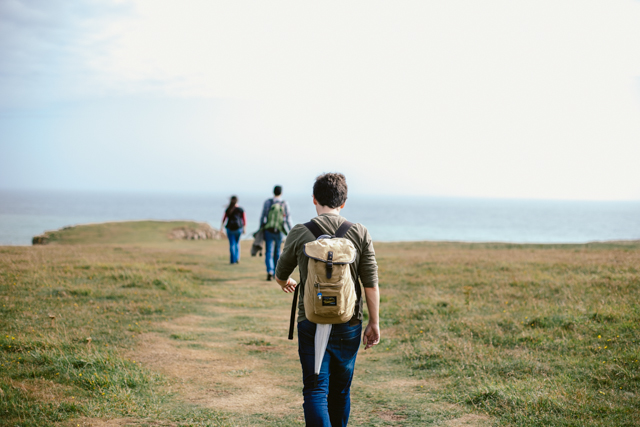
[
  {"x": 371, "y": 335},
  {"x": 288, "y": 286}
]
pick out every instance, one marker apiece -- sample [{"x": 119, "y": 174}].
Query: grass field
[{"x": 114, "y": 325}]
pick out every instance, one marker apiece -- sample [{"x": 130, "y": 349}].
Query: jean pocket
[
  {"x": 349, "y": 340},
  {"x": 349, "y": 332},
  {"x": 349, "y": 346}
]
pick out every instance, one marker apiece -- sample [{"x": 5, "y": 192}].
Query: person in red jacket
[{"x": 236, "y": 221}]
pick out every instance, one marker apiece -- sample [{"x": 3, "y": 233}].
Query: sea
[{"x": 24, "y": 214}]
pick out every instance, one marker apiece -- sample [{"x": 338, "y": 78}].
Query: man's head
[
  {"x": 277, "y": 190},
  {"x": 330, "y": 190}
]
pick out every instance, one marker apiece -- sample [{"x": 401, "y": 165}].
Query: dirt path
[
  {"x": 218, "y": 371},
  {"x": 233, "y": 356}
]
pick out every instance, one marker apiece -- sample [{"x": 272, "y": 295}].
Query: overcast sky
[{"x": 513, "y": 99}]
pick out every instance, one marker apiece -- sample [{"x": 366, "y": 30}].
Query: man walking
[
  {"x": 276, "y": 221},
  {"x": 327, "y": 397}
]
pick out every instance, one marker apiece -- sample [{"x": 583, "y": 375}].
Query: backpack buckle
[{"x": 329, "y": 264}]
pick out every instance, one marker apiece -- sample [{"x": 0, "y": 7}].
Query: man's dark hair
[
  {"x": 277, "y": 190},
  {"x": 330, "y": 189}
]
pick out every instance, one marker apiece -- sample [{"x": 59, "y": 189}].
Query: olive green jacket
[{"x": 365, "y": 266}]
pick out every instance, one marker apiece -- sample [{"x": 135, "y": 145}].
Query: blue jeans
[
  {"x": 329, "y": 404},
  {"x": 234, "y": 244},
  {"x": 272, "y": 241}
]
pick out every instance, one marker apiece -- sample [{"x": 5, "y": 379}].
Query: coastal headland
[{"x": 123, "y": 324}]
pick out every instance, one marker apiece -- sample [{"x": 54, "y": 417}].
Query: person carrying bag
[{"x": 333, "y": 256}]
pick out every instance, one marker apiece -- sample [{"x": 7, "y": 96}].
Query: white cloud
[{"x": 46, "y": 48}]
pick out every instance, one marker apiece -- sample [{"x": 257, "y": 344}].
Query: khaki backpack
[{"x": 330, "y": 290}]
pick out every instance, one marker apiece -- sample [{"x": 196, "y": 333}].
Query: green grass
[
  {"x": 531, "y": 335},
  {"x": 526, "y": 335},
  {"x": 49, "y": 370}
]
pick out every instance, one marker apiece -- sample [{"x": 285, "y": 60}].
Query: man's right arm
[
  {"x": 288, "y": 260},
  {"x": 265, "y": 212},
  {"x": 288, "y": 285}
]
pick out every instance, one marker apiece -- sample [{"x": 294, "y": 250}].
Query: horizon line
[{"x": 216, "y": 192}]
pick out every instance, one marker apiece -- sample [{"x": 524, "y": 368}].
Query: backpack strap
[
  {"x": 340, "y": 232},
  {"x": 343, "y": 229},
  {"x": 313, "y": 228},
  {"x": 294, "y": 305},
  {"x": 275, "y": 202}
]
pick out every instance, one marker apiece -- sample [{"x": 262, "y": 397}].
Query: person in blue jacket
[{"x": 274, "y": 231}]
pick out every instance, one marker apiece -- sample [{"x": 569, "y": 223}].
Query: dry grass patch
[
  {"x": 389, "y": 416},
  {"x": 44, "y": 390},
  {"x": 469, "y": 420},
  {"x": 116, "y": 422}
]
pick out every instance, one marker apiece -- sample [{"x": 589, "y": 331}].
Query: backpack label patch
[{"x": 330, "y": 301}]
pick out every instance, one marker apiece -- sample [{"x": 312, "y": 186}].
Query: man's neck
[
  {"x": 277, "y": 197},
  {"x": 327, "y": 210}
]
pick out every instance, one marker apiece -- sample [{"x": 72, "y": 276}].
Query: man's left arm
[
  {"x": 368, "y": 272},
  {"x": 265, "y": 212},
  {"x": 372, "y": 332}
]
